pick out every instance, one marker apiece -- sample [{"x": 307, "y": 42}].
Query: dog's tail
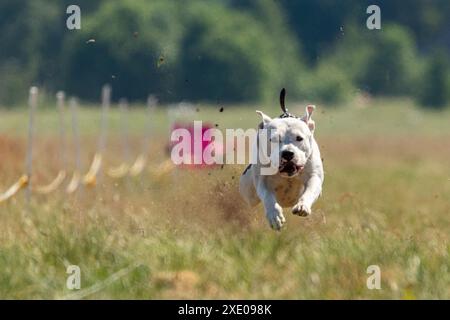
[{"x": 282, "y": 99}]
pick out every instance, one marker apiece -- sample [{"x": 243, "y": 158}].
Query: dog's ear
[
  {"x": 311, "y": 125},
  {"x": 309, "y": 110},
  {"x": 265, "y": 118},
  {"x": 308, "y": 117}
]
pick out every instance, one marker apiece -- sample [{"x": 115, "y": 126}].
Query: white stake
[
  {"x": 32, "y": 103},
  {"x": 60, "y": 97},
  {"x": 76, "y": 135},
  {"x": 74, "y": 183},
  {"x": 142, "y": 158},
  {"x": 123, "y": 106},
  {"x": 152, "y": 102},
  {"x": 106, "y": 102}
]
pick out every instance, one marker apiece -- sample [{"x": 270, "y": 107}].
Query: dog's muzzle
[{"x": 287, "y": 164}]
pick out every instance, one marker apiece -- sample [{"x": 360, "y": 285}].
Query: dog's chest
[{"x": 287, "y": 191}]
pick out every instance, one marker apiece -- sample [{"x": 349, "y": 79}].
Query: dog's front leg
[
  {"x": 313, "y": 189},
  {"x": 274, "y": 212}
]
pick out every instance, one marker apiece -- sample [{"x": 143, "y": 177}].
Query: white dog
[{"x": 298, "y": 181}]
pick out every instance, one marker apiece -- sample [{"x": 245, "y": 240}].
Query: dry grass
[{"x": 187, "y": 234}]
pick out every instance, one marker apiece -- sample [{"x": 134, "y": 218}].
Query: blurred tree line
[{"x": 227, "y": 50}]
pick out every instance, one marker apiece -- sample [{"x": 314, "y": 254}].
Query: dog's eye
[{"x": 299, "y": 138}]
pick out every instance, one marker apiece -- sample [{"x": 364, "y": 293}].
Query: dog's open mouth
[{"x": 290, "y": 168}]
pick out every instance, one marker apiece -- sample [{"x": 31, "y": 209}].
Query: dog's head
[{"x": 293, "y": 137}]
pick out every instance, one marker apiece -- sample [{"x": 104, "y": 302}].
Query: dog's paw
[
  {"x": 301, "y": 209},
  {"x": 276, "y": 217}
]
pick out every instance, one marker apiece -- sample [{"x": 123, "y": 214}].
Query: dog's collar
[{"x": 287, "y": 115}]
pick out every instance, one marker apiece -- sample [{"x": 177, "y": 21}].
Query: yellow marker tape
[
  {"x": 163, "y": 169},
  {"x": 118, "y": 172},
  {"x": 20, "y": 184},
  {"x": 52, "y": 186},
  {"x": 138, "y": 165},
  {"x": 74, "y": 183},
  {"x": 90, "y": 178}
]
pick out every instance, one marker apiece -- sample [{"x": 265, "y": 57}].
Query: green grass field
[{"x": 181, "y": 233}]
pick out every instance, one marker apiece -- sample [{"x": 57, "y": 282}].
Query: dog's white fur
[{"x": 301, "y": 185}]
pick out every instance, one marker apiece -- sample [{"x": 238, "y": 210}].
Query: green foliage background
[{"x": 227, "y": 51}]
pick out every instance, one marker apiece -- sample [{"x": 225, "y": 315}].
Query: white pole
[
  {"x": 152, "y": 102},
  {"x": 76, "y": 140},
  {"x": 32, "y": 103},
  {"x": 123, "y": 106},
  {"x": 76, "y": 136},
  {"x": 74, "y": 184},
  {"x": 106, "y": 101},
  {"x": 60, "y": 97}
]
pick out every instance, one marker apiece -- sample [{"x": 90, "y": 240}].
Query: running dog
[{"x": 298, "y": 181}]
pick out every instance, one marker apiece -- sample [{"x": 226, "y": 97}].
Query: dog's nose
[{"x": 288, "y": 155}]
